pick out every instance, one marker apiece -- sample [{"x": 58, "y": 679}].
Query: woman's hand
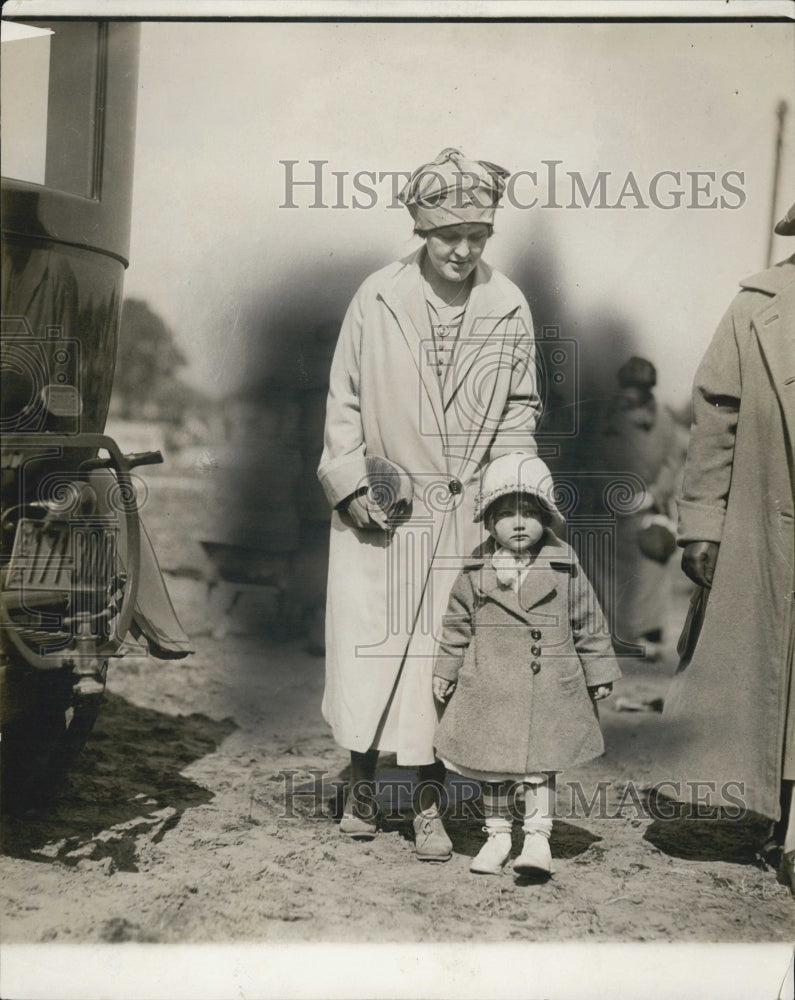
[
  {"x": 442, "y": 688},
  {"x": 600, "y": 691},
  {"x": 366, "y": 515}
]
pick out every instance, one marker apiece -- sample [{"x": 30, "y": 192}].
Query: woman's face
[
  {"x": 453, "y": 251},
  {"x": 515, "y": 522}
]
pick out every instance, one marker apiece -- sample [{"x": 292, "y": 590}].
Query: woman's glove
[
  {"x": 366, "y": 515},
  {"x": 698, "y": 561}
]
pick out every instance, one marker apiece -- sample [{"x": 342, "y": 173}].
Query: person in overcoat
[
  {"x": 730, "y": 713},
  {"x": 434, "y": 371},
  {"x": 524, "y": 655}
]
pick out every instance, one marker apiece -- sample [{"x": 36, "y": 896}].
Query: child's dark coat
[{"x": 523, "y": 664}]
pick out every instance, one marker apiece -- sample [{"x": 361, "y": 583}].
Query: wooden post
[{"x": 781, "y": 113}]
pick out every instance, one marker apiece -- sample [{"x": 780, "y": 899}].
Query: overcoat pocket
[{"x": 571, "y": 684}]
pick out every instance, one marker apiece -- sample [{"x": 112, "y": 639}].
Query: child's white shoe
[
  {"x": 536, "y": 857},
  {"x": 491, "y": 858}
]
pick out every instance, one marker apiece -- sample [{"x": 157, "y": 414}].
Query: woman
[{"x": 434, "y": 371}]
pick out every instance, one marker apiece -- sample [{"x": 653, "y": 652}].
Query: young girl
[{"x": 525, "y": 652}]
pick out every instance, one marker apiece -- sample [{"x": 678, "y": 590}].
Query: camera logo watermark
[{"x": 41, "y": 379}]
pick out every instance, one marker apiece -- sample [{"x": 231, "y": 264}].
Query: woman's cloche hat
[
  {"x": 518, "y": 472},
  {"x": 453, "y": 189}
]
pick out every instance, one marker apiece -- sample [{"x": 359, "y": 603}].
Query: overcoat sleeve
[
  {"x": 517, "y": 427},
  {"x": 342, "y": 468},
  {"x": 716, "y": 404},
  {"x": 590, "y": 632},
  {"x": 456, "y": 629}
]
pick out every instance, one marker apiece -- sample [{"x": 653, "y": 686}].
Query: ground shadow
[
  {"x": 125, "y": 783},
  {"x": 569, "y": 841},
  {"x": 706, "y": 836}
]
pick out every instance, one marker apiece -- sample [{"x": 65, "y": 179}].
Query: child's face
[{"x": 515, "y": 522}]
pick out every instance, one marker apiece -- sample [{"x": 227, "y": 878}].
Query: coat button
[
  {"x": 535, "y": 666},
  {"x": 535, "y": 634},
  {"x": 455, "y": 487},
  {"x": 536, "y": 650}
]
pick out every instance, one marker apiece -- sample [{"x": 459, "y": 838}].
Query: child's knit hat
[{"x": 518, "y": 472}]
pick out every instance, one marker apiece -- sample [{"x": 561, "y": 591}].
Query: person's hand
[
  {"x": 698, "y": 562},
  {"x": 600, "y": 691},
  {"x": 442, "y": 688},
  {"x": 366, "y": 515}
]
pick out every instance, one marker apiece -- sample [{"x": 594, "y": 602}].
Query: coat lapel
[
  {"x": 485, "y": 310},
  {"x": 775, "y": 330},
  {"x": 406, "y": 301},
  {"x": 538, "y": 586}
]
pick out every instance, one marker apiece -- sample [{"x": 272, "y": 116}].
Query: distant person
[
  {"x": 731, "y": 708},
  {"x": 433, "y": 376},
  {"x": 524, "y": 655},
  {"x": 641, "y": 437}
]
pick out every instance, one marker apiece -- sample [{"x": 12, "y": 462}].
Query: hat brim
[
  {"x": 786, "y": 226},
  {"x": 442, "y": 216},
  {"x": 482, "y": 504}
]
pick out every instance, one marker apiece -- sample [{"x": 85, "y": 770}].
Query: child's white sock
[{"x": 539, "y": 804}]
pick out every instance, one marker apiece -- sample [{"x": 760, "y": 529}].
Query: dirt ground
[{"x": 175, "y": 826}]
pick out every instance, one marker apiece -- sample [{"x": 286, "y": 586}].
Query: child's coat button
[
  {"x": 535, "y": 633},
  {"x": 535, "y": 666},
  {"x": 535, "y": 650}
]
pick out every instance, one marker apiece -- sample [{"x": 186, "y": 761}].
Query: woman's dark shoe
[{"x": 356, "y": 827}]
